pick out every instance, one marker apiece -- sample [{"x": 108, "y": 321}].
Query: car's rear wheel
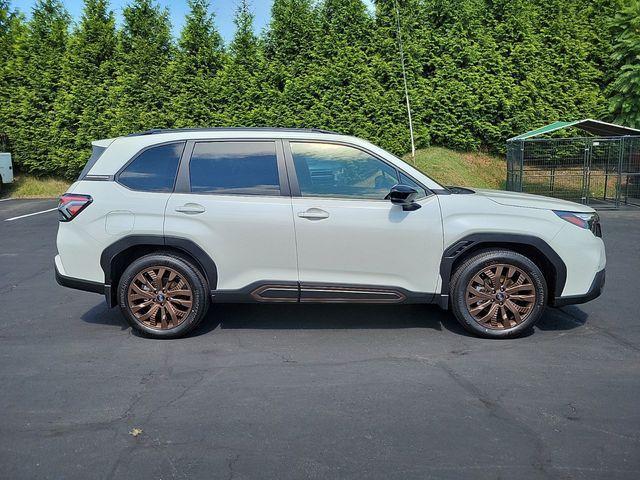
[
  {"x": 163, "y": 295},
  {"x": 498, "y": 294}
]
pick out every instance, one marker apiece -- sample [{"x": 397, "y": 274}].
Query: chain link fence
[{"x": 602, "y": 172}]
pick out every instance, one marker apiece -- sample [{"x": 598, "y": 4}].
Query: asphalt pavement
[{"x": 311, "y": 391}]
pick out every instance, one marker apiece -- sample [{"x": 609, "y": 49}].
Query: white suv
[{"x": 164, "y": 222}]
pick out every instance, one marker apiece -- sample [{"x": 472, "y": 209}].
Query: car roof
[{"x": 156, "y": 131}]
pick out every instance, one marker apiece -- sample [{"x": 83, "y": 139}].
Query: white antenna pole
[{"x": 406, "y": 89}]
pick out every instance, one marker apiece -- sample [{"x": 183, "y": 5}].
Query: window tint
[
  {"x": 243, "y": 168},
  {"x": 154, "y": 170},
  {"x": 325, "y": 169}
]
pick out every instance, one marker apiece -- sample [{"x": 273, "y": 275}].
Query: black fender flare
[
  {"x": 478, "y": 240},
  {"x": 189, "y": 247}
]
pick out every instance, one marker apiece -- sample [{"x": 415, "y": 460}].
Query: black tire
[
  {"x": 480, "y": 262},
  {"x": 192, "y": 277}
]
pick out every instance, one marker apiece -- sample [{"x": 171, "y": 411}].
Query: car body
[
  {"x": 291, "y": 215},
  {"x": 6, "y": 169}
]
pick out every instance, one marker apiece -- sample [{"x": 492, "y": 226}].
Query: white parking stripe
[
  {"x": 5, "y": 199},
  {"x": 30, "y": 214}
]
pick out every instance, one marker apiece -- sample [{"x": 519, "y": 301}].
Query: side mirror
[{"x": 404, "y": 196}]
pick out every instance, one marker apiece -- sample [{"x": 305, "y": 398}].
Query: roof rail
[{"x": 155, "y": 131}]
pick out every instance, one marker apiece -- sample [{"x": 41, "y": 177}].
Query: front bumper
[{"x": 594, "y": 292}]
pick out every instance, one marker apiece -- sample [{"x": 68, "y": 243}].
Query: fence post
[
  {"x": 520, "y": 180},
  {"x": 586, "y": 174},
  {"x": 619, "y": 182}
]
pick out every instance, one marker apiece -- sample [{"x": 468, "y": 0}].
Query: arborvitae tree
[
  {"x": 292, "y": 55},
  {"x": 570, "y": 86},
  {"x": 11, "y": 29},
  {"x": 460, "y": 90},
  {"x": 140, "y": 96},
  {"x": 35, "y": 67},
  {"x": 8, "y": 31},
  {"x": 399, "y": 35},
  {"x": 293, "y": 30},
  {"x": 243, "y": 85},
  {"x": 624, "y": 102},
  {"x": 346, "y": 22},
  {"x": 342, "y": 91},
  {"x": 199, "y": 56},
  {"x": 87, "y": 71}
]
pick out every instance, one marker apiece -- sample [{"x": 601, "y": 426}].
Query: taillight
[{"x": 71, "y": 204}]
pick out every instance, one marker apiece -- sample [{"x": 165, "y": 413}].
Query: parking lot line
[{"x": 30, "y": 214}]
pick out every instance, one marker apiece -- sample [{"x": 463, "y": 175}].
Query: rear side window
[
  {"x": 154, "y": 170},
  {"x": 96, "y": 153},
  {"x": 240, "y": 168}
]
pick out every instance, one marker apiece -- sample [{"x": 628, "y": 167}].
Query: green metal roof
[{"x": 595, "y": 127}]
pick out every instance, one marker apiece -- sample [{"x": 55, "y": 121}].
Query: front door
[{"x": 349, "y": 237}]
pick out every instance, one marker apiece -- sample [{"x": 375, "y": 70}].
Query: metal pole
[
  {"x": 619, "y": 181},
  {"x": 585, "y": 174},
  {"x": 406, "y": 89},
  {"x": 521, "y": 165}
]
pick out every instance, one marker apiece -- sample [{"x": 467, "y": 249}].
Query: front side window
[
  {"x": 240, "y": 168},
  {"x": 154, "y": 170},
  {"x": 330, "y": 170}
]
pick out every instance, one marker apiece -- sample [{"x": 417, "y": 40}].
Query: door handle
[
  {"x": 314, "y": 214},
  {"x": 190, "y": 209}
]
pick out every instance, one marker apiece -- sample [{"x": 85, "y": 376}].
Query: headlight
[{"x": 588, "y": 221}]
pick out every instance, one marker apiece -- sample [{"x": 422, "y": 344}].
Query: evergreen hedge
[{"x": 479, "y": 71}]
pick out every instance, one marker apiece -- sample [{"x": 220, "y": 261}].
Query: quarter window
[
  {"x": 412, "y": 183},
  {"x": 331, "y": 170},
  {"x": 241, "y": 168},
  {"x": 154, "y": 170}
]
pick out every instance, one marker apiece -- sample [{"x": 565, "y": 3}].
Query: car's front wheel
[
  {"x": 498, "y": 293},
  {"x": 163, "y": 295}
]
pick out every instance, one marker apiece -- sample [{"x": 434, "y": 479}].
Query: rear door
[
  {"x": 349, "y": 236},
  {"x": 232, "y": 199}
]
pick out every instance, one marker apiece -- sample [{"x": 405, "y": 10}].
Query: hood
[{"x": 516, "y": 199}]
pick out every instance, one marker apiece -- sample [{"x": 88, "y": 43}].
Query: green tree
[
  {"x": 342, "y": 91},
  {"x": 291, "y": 50},
  {"x": 244, "y": 88},
  {"x": 141, "y": 93},
  {"x": 12, "y": 28},
  {"x": 293, "y": 31},
  {"x": 399, "y": 36},
  {"x": 199, "y": 57},
  {"x": 35, "y": 69},
  {"x": 624, "y": 101},
  {"x": 87, "y": 71}
]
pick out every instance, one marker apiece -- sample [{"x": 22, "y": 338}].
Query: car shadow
[
  {"x": 324, "y": 316},
  {"x": 561, "y": 319},
  {"x": 335, "y": 316},
  {"x": 100, "y": 314}
]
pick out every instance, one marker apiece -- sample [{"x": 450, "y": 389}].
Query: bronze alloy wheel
[
  {"x": 160, "y": 298},
  {"x": 500, "y": 296}
]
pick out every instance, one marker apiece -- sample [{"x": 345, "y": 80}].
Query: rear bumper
[
  {"x": 79, "y": 284},
  {"x": 594, "y": 292}
]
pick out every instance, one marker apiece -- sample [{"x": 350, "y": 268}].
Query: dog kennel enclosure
[{"x": 600, "y": 166}]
